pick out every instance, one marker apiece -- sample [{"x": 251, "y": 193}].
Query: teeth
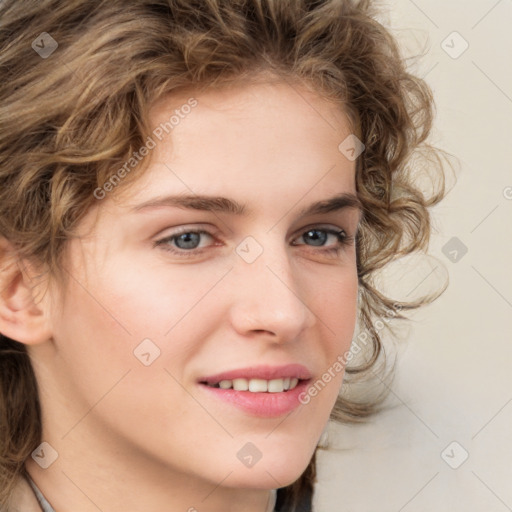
[
  {"x": 240, "y": 385},
  {"x": 258, "y": 385},
  {"x": 276, "y": 385}
]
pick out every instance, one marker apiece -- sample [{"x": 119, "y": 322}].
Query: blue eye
[
  {"x": 318, "y": 236},
  {"x": 188, "y": 240},
  {"x": 185, "y": 241},
  {"x": 319, "y": 240},
  {"x": 186, "y": 244}
]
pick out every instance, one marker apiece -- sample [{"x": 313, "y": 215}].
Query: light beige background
[{"x": 454, "y": 380}]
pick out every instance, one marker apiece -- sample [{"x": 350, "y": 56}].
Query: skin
[{"x": 135, "y": 437}]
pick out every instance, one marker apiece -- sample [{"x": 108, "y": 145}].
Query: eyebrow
[{"x": 224, "y": 205}]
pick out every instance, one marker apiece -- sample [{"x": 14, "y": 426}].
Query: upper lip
[{"x": 297, "y": 371}]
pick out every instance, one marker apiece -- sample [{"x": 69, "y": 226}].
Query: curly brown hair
[{"x": 68, "y": 120}]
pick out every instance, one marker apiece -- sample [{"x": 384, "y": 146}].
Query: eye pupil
[
  {"x": 191, "y": 240},
  {"x": 318, "y": 240}
]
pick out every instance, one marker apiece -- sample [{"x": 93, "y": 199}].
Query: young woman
[{"x": 194, "y": 199}]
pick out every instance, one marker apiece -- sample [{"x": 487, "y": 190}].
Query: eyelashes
[
  {"x": 342, "y": 239},
  {"x": 183, "y": 236},
  {"x": 190, "y": 237}
]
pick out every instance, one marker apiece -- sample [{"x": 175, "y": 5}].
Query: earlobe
[{"x": 24, "y": 314}]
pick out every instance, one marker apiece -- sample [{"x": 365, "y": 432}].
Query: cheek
[
  {"x": 338, "y": 317},
  {"x": 156, "y": 299},
  {"x": 332, "y": 294},
  {"x": 337, "y": 309},
  {"x": 91, "y": 337}
]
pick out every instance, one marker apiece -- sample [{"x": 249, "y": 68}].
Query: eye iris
[
  {"x": 317, "y": 240},
  {"x": 191, "y": 240}
]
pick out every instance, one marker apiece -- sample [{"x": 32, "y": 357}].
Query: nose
[{"x": 270, "y": 298}]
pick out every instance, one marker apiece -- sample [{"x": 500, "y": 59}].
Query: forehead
[
  {"x": 254, "y": 102},
  {"x": 255, "y": 133},
  {"x": 265, "y": 146}
]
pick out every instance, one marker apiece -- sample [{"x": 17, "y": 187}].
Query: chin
[
  {"x": 279, "y": 467},
  {"x": 268, "y": 478}
]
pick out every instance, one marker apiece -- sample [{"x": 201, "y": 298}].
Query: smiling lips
[
  {"x": 260, "y": 378},
  {"x": 262, "y": 391}
]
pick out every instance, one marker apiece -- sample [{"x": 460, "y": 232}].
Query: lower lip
[{"x": 263, "y": 405}]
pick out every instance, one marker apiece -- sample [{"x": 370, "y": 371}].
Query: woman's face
[{"x": 173, "y": 289}]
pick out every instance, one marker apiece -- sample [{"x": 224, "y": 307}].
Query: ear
[{"x": 24, "y": 311}]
